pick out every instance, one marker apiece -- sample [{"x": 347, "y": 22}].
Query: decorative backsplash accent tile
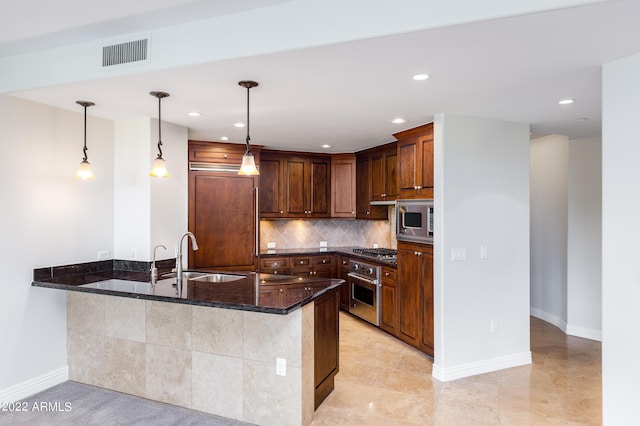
[{"x": 299, "y": 233}]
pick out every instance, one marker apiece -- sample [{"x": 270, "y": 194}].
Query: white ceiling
[{"x": 345, "y": 94}]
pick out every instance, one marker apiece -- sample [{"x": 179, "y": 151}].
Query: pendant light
[
  {"x": 84, "y": 171},
  {"x": 159, "y": 168},
  {"x": 248, "y": 162}
]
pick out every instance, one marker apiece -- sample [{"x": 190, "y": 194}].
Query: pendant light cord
[
  {"x": 159, "y": 128},
  {"x": 248, "y": 138},
  {"x": 84, "y": 149}
]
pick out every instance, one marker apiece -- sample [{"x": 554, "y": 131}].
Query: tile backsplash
[{"x": 299, "y": 233}]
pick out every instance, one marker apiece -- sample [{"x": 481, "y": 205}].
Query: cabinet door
[
  {"x": 343, "y": 272},
  {"x": 326, "y": 337},
  {"x": 271, "y": 296},
  {"x": 222, "y": 208},
  {"x": 271, "y": 187},
  {"x": 427, "y": 302},
  {"x": 391, "y": 181},
  {"x": 319, "y": 188},
  {"x": 297, "y": 197},
  {"x": 409, "y": 295},
  {"x": 407, "y": 158},
  {"x": 426, "y": 149},
  {"x": 343, "y": 186},
  {"x": 378, "y": 175},
  {"x": 388, "y": 300},
  {"x": 363, "y": 176}
]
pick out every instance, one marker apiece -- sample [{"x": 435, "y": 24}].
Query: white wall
[
  {"x": 584, "y": 258},
  {"x": 47, "y": 217},
  {"x": 549, "y": 227},
  {"x": 620, "y": 236},
  {"x": 482, "y": 198},
  {"x": 149, "y": 211}
]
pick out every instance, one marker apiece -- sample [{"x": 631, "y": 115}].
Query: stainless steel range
[{"x": 364, "y": 282}]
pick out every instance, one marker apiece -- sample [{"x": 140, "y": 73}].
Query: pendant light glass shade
[
  {"x": 84, "y": 171},
  {"x": 159, "y": 168},
  {"x": 248, "y": 167}
]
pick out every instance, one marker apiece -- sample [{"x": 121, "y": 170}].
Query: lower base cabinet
[
  {"x": 326, "y": 344},
  {"x": 388, "y": 301},
  {"x": 415, "y": 296}
]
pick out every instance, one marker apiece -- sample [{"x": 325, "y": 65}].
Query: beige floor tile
[{"x": 383, "y": 381}]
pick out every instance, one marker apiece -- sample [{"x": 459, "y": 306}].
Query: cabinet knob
[
  {"x": 275, "y": 272},
  {"x": 386, "y": 274},
  {"x": 225, "y": 156},
  {"x": 281, "y": 290},
  {"x": 353, "y": 212},
  {"x": 281, "y": 212},
  {"x": 368, "y": 212}
]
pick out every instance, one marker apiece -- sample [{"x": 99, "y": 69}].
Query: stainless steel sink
[
  {"x": 218, "y": 278},
  {"x": 189, "y": 275}
]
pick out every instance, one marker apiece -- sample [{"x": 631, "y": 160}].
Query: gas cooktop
[{"x": 377, "y": 252}]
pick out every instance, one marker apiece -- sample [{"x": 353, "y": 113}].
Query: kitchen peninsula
[{"x": 225, "y": 346}]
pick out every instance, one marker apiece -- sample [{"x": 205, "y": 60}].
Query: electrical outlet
[
  {"x": 281, "y": 366},
  {"x": 103, "y": 254},
  {"x": 375, "y": 245},
  {"x": 458, "y": 254},
  {"x": 323, "y": 243},
  {"x": 134, "y": 253},
  {"x": 271, "y": 245}
]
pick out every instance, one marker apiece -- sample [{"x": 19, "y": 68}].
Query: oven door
[{"x": 365, "y": 298}]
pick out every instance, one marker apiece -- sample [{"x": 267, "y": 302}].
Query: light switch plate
[
  {"x": 483, "y": 252},
  {"x": 281, "y": 366}
]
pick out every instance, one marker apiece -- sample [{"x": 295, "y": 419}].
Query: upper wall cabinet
[
  {"x": 384, "y": 173},
  {"x": 294, "y": 186},
  {"x": 415, "y": 162},
  {"x": 343, "y": 186},
  {"x": 364, "y": 209}
]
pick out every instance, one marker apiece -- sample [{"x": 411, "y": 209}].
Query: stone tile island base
[{"x": 220, "y": 361}]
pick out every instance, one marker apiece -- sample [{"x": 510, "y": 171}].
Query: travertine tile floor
[{"x": 385, "y": 382}]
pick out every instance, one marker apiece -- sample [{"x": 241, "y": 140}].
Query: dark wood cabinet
[
  {"x": 384, "y": 173},
  {"x": 326, "y": 338},
  {"x": 222, "y": 208},
  {"x": 343, "y": 186},
  {"x": 343, "y": 274},
  {"x": 388, "y": 301},
  {"x": 314, "y": 266},
  {"x": 364, "y": 209},
  {"x": 415, "y": 296},
  {"x": 415, "y": 162},
  {"x": 275, "y": 265},
  {"x": 295, "y": 186}
]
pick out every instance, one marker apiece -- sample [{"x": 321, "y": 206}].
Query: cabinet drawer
[
  {"x": 323, "y": 260},
  {"x": 297, "y": 262},
  {"x": 274, "y": 263},
  {"x": 389, "y": 275}
]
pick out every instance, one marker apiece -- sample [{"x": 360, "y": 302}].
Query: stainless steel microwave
[{"x": 414, "y": 220}]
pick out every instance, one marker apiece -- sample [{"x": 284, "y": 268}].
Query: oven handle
[{"x": 369, "y": 281}]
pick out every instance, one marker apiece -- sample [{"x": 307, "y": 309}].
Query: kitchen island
[{"x": 226, "y": 348}]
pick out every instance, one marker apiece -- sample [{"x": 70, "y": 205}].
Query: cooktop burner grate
[{"x": 377, "y": 252}]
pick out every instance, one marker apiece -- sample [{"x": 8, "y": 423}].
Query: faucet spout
[
  {"x": 194, "y": 245},
  {"x": 154, "y": 270}
]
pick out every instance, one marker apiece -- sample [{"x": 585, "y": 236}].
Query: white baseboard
[
  {"x": 35, "y": 385},
  {"x": 571, "y": 330},
  {"x": 480, "y": 367}
]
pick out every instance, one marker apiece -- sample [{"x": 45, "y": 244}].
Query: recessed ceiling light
[
  {"x": 325, "y": 146},
  {"x": 194, "y": 114},
  {"x": 420, "y": 77},
  {"x": 566, "y": 101},
  {"x": 239, "y": 125},
  {"x": 398, "y": 120},
  {"x": 224, "y": 138}
]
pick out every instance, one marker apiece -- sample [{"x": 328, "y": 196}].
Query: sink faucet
[
  {"x": 194, "y": 245},
  {"x": 154, "y": 270}
]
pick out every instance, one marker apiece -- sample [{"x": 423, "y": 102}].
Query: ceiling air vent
[{"x": 125, "y": 53}]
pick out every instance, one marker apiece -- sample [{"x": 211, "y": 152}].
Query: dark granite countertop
[
  {"x": 248, "y": 293},
  {"x": 347, "y": 250}
]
